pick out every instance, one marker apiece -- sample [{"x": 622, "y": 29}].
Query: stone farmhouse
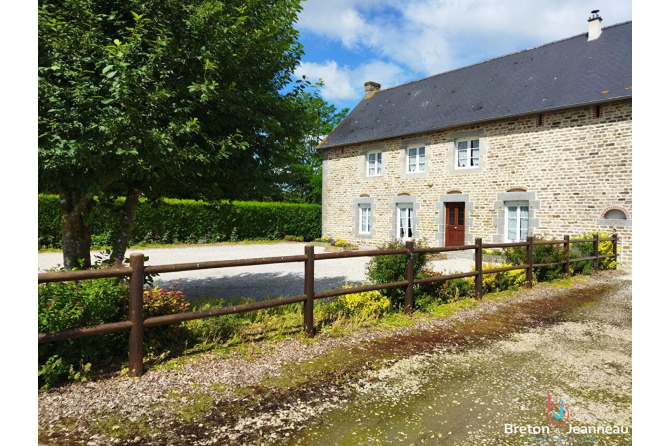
[{"x": 538, "y": 142}]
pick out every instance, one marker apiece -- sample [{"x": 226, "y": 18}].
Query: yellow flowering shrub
[
  {"x": 340, "y": 243},
  {"x": 366, "y": 303},
  {"x": 492, "y": 283}
]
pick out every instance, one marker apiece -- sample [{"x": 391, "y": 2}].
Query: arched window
[{"x": 615, "y": 214}]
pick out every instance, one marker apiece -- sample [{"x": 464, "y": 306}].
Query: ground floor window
[
  {"x": 516, "y": 221},
  {"x": 364, "y": 224},
  {"x": 405, "y": 222}
]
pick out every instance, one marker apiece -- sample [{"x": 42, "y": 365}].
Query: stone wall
[{"x": 571, "y": 170}]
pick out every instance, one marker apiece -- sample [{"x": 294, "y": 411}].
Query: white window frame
[
  {"x": 417, "y": 155},
  {"x": 409, "y": 220},
  {"x": 518, "y": 205},
  {"x": 468, "y": 156},
  {"x": 377, "y": 165},
  {"x": 360, "y": 219}
]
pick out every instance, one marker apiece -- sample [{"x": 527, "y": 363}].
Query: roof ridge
[{"x": 500, "y": 57}]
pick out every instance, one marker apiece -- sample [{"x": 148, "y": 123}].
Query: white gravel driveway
[{"x": 258, "y": 281}]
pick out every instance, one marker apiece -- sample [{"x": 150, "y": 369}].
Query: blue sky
[{"x": 349, "y": 42}]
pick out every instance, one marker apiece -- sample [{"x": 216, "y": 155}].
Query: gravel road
[
  {"x": 258, "y": 281},
  {"x": 445, "y": 381}
]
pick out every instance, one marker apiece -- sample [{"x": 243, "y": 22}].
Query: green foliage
[
  {"x": 341, "y": 243},
  {"x": 293, "y": 238},
  {"x": 586, "y": 250},
  {"x": 158, "y": 302},
  {"x": 67, "y": 305},
  {"x": 168, "y": 96},
  {"x": 391, "y": 268},
  {"x": 505, "y": 280},
  {"x": 366, "y": 304},
  {"x": 541, "y": 254},
  {"x": 214, "y": 330},
  {"x": 160, "y": 98},
  {"x": 432, "y": 293},
  {"x": 76, "y": 304},
  {"x": 554, "y": 253},
  {"x": 171, "y": 220},
  {"x": 302, "y": 178}
]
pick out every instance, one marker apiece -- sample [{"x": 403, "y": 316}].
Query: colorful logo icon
[{"x": 563, "y": 414}]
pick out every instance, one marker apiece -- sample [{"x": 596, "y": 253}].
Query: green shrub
[
  {"x": 170, "y": 220},
  {"x": 76, "y": 304},
  {"x": 586, "y": 250},
  {"x": 67, "y": 305},
  {"x": 214, "y": 330},
  {"x": 541, "y": 254},
  {"x": 505, "y": 280},
  {"x": 554, "y": 253},
  {"x": 431, "y": 293},
  {"x": 391, "y": 268},
  {"x": 365, "y": 304},
  {"x": 341, "y": 243},
  {"x": 293, "y": 238}
]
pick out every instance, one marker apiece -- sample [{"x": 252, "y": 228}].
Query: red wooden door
[{"x": 455, "y": 224}]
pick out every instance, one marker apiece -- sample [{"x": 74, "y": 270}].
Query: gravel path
[
  {"x": 258, "y": 281},
  {"x": 442, "y": 391}
]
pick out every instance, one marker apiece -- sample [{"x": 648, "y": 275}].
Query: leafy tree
[
  {"x": 300, "y": 181},
  {"x": 152, "y": 97}
]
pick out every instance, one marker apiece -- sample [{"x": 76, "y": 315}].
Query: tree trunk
[
  {"x": 126, "y": 225},
  {"x": 76, "y": 211}
]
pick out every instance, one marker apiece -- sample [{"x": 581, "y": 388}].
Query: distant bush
[{"x": 170, "y": 221}]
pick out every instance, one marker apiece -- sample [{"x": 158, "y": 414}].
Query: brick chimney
[
  {"x": 594, "y": 25},
  {"x": 371, "y": 88}
]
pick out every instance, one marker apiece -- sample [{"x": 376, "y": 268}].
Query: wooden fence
[{"x": 137, "y": 272}]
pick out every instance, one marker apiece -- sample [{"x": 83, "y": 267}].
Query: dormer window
[
  {"x": 416, "y": 159},
  {"x": 374, "y": 164},
  {"x": 467, "y": 153}
]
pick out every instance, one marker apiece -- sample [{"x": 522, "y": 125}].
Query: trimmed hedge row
[{"x": 170, "y": 220}]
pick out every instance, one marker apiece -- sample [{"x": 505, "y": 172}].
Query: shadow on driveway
[{"x": 258, "y": 285}]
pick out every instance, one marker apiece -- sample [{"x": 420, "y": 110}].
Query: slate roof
[{"x": 565, "y": 73}]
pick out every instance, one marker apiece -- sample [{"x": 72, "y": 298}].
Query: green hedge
[{"x": 170, "y": 221}]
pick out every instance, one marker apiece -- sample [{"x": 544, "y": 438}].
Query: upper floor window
[
  {"x": 374, "y": 161},
  {"x": 416, "y": 159},
  {"x": 468, "y": 153},
  {"x": 364, "y": 225}
]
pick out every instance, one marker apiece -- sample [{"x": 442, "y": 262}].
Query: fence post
[
  {"x": 308, "y": 307},
  {"x": 615, "y": 245},
  {"x": 479, "y": 279},
  {"x": 136, "y": 304},
  {"x": 529, "y": 261},
  {"x": 409, "y": 277},
  {"x": 596, "y": 252},
  {"x": 566, "y": 253}
]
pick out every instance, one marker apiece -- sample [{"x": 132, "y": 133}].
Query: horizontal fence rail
[
  {"x": 138, "y": 271},
  {"x": 83, "y": 275}
]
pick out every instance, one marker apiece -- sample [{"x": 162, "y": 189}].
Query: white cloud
[
  {"x": 345, "y": 83},
  {"x": 430, "y": 36}
]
